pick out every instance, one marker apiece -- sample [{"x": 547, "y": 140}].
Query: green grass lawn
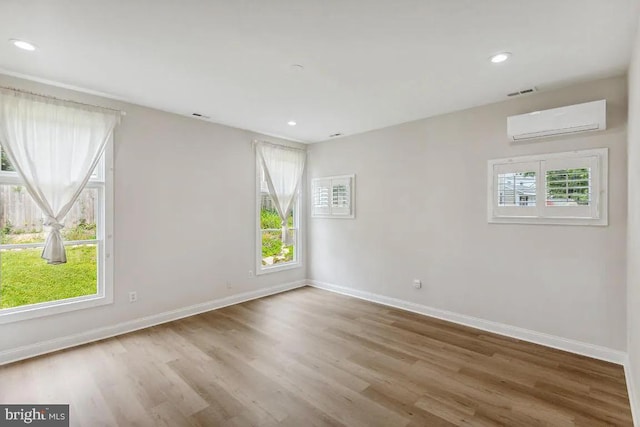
[{"x": 28, "y": 279}]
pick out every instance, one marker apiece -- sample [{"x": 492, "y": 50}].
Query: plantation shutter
[
  {"x": 516, "y": 189},
  {"x": 321, "y": 197},
  {"x": 341, "y": 196},
  {"x": 571, "y": 189},
  {"x": 554, "y": 188},
  {"x": 332, "y": 196}
]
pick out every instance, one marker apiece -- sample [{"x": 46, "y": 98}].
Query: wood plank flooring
[{"x": 313, "y": 358}]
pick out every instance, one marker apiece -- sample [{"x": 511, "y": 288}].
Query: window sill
[
  {"x": 598, "y": 222},
  {"x": 17, "y": 314},
  {"x": 336, "y": 216},
  {"x": 275, "y": 269}
]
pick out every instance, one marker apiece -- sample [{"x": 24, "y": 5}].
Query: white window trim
[
  {"x": 297, "y": 220},
  {"x": 104, "y": 245},
  {"x": 352, "y": 193},
  {"x": 600, "y": 181}
]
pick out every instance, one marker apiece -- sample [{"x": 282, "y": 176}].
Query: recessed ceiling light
[
  {"x": 500, "y": 57},
  {"x": 22, "y": 44},
  {"x": 291, "y": 123}
]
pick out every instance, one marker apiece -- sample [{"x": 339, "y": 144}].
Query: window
[
  {"x": 332, "y": 197},
  {"x": 559, "y": 188},
  {"x": 29, "y": 287},
  {"x": 275, "y": 251}
]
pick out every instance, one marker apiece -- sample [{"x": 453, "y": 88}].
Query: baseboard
[
  {"x": 25, "y": 352},
  {"x": 631, "y": 390},
  {"x": 585, "y": 349}
]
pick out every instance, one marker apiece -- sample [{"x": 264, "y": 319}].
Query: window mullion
[
  {"x": 597, "y": 194},
  {"x": 541, "y": 183}
]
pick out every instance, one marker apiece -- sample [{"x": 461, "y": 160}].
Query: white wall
[
  {"x": 421, "y": 213},
  {"x": 633, "y": 239},
  {"x": 184, "y": 219}
]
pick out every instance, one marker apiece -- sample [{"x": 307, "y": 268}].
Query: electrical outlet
[
  {"x": 229, "y": 285},
  {"x": 133, "y": 296},
  {"x": 250, "y": 274},
  {"x": 417, "y": 283}
]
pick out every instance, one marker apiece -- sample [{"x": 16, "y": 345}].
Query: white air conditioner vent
[{"x": 590, "y": 116}]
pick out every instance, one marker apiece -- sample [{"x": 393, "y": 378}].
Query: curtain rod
[
  {"x": 122, "y": 113},
  {"x": 255, "y": 141}
]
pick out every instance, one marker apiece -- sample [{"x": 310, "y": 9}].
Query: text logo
[{"x": 34, "y": 415}]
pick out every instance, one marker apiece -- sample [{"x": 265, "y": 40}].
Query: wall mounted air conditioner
[{"x": 590, "y": 116}]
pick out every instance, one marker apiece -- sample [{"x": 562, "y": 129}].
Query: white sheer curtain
[
  {"x": 283, "y": 168},
  {"x": 54, "y": 146}
]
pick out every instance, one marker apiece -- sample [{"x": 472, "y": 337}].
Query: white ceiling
[{"x": 368, "y": 63}]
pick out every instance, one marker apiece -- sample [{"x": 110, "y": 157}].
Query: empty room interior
[{"x": 320, "y": 213}]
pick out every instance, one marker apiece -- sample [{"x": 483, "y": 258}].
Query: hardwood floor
[{"x": 313, "y": 358}]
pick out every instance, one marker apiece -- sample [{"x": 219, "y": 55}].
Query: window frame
[
  {"x": 297, "y": 222},
  {"x": 596, "y": 214},
  {"x": 103, "y": 182},
  {"x": 329, "y": 211}
]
